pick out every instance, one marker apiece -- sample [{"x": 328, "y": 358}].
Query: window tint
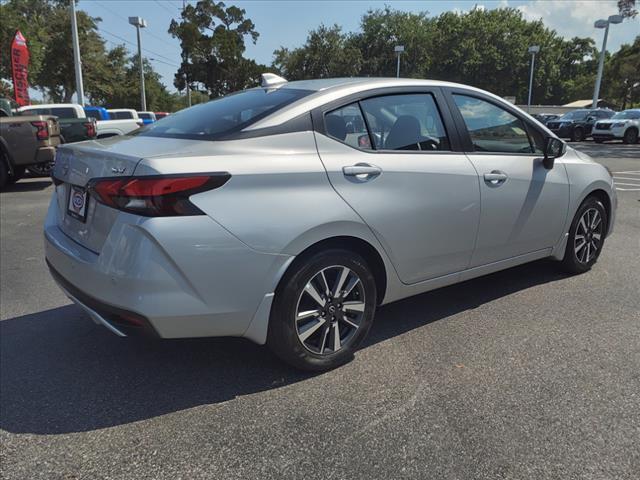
[
  {"x": 207, "y": 121},
  {"x": 347, "y": 125},
  {"x": 95, "y": 114},
  {"x": 63, "y": 112},
  {"x": 493, "y": 129},
  {"x": 121, "y": 115},
  {"x": 405, "y": 122}
]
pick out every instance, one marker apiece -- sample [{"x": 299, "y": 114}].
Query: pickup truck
[
  {"x": 74, "y": 127},
  {"x": 103, "y": 128},
  {"x": 25, "y": 141}
]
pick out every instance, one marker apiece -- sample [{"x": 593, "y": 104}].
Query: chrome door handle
[
  {"x": 496, "y": 177},
  {"x": 363, "y": 171}
]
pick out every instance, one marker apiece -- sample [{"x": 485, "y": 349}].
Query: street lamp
[
  {"x": 398, "y": 49},
  {"x": 140, "y": 23},
  {"x": 603, "y": 24},
  {"x": 532, "y": 50}
]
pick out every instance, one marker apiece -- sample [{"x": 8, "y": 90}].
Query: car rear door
[
  {"x": 394, "y": 157},
  {"x": 524, "y": 205}
]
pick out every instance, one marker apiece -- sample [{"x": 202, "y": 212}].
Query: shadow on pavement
[
  {"x": 60, "y": 373},
  {"x": 27, "y": 186}
]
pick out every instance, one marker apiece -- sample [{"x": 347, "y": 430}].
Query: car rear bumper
[{"x": 190, "y": 278}]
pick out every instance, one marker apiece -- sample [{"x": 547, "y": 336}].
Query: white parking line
[{"x": 630, "y": 175}]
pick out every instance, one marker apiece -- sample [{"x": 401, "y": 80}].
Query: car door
[
  {"x": 524, "y": 205},
  {"x": 392, "y": 157}
]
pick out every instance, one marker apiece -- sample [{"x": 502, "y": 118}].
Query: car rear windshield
[
  {"x": 211, "y": 120},
  {"x": 60, "y": 112},
  {"x": 146, "y": 116}
]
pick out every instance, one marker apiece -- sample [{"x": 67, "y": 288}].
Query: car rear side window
[
  {"x": 347, "y": 125},
  {"x": 211, "y": 120},
  {"x": 122, "y": 115},
  {"x": 405, "y": 122},
  {"x": 494, "y": 129}
]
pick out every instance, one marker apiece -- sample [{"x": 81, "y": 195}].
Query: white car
[
  {"x": 123, "y": 113},
  {"x": 622, "y": 126}
]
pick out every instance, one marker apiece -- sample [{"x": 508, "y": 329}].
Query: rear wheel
[
  {"x": 586, "y": 236},
  {"x": 630, "y": 136},
  {"x": 577, "y": 135},
  {"x": 322, "y": 311}
]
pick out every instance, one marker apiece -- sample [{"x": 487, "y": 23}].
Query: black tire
[
  {"x": 18, "y": 173},
  {"x": 630, "y": 136},
  {"x": 577, "y": 135},
  {"x": 284, "y": 335},
  {"x": 41, "y": 169},
  {"x": 4, "y": 172},
  {"x": 598, "y": 140},
  {"x": 574, "y": 260}
]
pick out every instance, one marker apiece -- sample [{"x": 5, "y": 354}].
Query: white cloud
[{"x": 576, "y": 18}]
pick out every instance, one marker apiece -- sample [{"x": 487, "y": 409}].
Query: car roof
[
  {"x": 328, "y": 89},
  {"x": 52, "y": 105}
]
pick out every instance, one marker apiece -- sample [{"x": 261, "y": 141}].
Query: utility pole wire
[
  {"x": 132, "y": 43},
  {"x": 127, "y": 20}
]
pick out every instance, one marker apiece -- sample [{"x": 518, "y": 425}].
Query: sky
[{"x": 287, "y": 22}]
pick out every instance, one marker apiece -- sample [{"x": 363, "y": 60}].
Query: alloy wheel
[
  {"x": 330, "y": 310},
  {"x": 588, "y": 237}
]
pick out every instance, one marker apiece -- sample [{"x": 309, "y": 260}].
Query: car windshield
[
  {"x": 627, "y": 115},
  {"x": 575, "y": 115},
  {"x": 210, "y": 120},
  {"x": 146, "y": 116},
  {"x": 121, "y": 115}
]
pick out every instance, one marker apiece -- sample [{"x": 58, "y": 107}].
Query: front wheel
[
  {"x": 577, "y": 135},
  {"x": 630, "y": 136},
  {"x": 322, "y": 310},
  {"x": 586, "y": 236}
]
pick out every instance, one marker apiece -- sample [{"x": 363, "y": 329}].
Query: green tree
[
  {"x": 212, "y": 37},
  {"x": 382, "y": 30},
  {"x": 326, "y": 53},
  {"x": 622, "y": 77}
]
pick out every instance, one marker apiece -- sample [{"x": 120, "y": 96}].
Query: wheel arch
[
  {"x": 603, "y": 196},
  {"x": 347, "y": 242}
]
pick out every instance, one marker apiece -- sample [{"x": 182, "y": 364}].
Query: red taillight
[
  {"x": 42, "y": 132},
  {"x": 157, "y": 196},
  {"x": 91, "y": 129}
]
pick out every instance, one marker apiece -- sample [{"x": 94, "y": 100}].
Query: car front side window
[{"x": 494, "y": 129}]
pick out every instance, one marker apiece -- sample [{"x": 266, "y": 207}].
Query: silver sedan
[{"x": 287, "y": 213}]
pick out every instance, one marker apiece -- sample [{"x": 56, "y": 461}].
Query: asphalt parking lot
[{"x": 524, "y": 374}]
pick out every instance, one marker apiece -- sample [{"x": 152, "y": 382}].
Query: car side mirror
[
  {"x": 591, "y": 119},
  {"x": 553, "y": 148}
]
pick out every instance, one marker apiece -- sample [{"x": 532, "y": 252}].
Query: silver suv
[
  {"x": 623, "y": 126},
  {"x": 287, "y": 213}
]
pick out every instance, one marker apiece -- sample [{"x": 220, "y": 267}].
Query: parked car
[
  {"x": 147, "y": 117},
  {"x": 622, "y": 126},
  {"x": 97, "y": 113},
  {"x": 263, "y": 215},
  {"x": 544, "y": 118},
  {"x": 25, "y": 141},
  {"x": 160, "y": 115},
  {"x": 577, "y": 124}
]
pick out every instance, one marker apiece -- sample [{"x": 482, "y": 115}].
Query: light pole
[
  {"x": 603, "y": 24},
  {"x": 76, "y": 55},
  {"x": 532, "y": 50},
  {"x": 140, "y": 23},
  {"x": 398, "y": 49}
]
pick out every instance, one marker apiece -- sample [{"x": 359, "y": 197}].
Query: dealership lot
[{"x": 526, "y": 373}]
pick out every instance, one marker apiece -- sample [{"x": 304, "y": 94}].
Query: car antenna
[{"x": 270, "y": 80}]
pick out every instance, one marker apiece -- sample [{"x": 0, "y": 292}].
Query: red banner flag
[{"x": 19, "y": 67}]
